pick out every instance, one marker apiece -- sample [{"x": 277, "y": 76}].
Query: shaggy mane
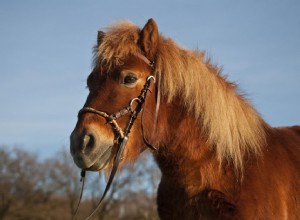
[{"x": 228, "y": 122}]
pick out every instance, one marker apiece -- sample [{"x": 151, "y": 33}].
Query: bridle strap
[
  {"x": 110, "y": 119},
  {"x": 151, "y": 146},
  {"x": 117, "y": 160},
  {"x": 122, "y": 136},
  {"x": 82, "y": 179},
  {"x": 145, "y": 59}
]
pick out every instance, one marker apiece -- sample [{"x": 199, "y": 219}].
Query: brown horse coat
[{"x": 218, "y": 158}]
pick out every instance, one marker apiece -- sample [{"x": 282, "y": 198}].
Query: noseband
[
  {"x": 134, "y": 107},
  {"x": 122, "y": 135}
]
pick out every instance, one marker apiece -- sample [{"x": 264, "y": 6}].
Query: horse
[{"x": 218, "y": 158}]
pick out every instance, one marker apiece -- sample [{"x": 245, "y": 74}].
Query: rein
[{"x": 121, "y": 136}]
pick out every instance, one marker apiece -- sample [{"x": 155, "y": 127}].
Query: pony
[{"x": 218, "y": 158}]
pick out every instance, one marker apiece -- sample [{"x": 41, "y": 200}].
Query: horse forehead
[
  {"x": 135, "y": 63},
  {"x": 113, "y": 69}
]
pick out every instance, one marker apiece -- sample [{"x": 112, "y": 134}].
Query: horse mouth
[{"x": 93, "y": 162}]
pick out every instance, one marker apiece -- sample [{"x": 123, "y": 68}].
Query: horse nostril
[
  {"x": 88, "y": 142},
  {"x": 83, "y": 142}
]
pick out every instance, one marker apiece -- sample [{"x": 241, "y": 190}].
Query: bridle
[{"x": 134, "y": 107}]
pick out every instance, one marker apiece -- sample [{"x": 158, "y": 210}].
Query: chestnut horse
[{"x": 219, "y": 159}]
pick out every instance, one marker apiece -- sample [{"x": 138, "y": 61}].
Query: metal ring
[
  {"x": 151, "y": 77},
  {"x": 138, "y": 100}
]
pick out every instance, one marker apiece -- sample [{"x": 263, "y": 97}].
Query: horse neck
[
  {"x": 207, "y": 150},
  {"x": 184, "y": 156}
]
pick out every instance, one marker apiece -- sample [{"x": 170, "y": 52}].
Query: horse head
[{"x": 117, "y": 85}]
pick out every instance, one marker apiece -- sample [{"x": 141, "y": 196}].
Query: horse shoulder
[
  {"x": 273, "y": 180},
  {"x": 174, "y": 203},
  {"x": 288, "y": 165}
]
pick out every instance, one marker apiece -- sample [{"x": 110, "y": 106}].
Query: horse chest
[{"x": 174, "y": 203}]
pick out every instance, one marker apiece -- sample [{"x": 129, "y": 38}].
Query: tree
[
  {"x": 63, "y": 178},
  {"x": 49, "y": 189},
  {"x": 132, "y": 193},
  {"x": 20, "y": 183},
  {"x": 6, "y": 198}
]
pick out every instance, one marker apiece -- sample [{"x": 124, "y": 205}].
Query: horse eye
[{"x": 130, "y": 79}]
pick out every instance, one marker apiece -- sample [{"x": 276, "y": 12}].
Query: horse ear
[
  {"x": 149, "y": 39},
  {"x": 100, "y": 37}
]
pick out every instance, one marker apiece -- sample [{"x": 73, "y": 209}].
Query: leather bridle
[{"x": 134, "y": 107}]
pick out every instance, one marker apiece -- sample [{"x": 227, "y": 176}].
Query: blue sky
[{"x": 46, "y": 54}]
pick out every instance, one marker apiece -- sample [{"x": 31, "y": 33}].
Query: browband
[{"x": 145, "y": 59}]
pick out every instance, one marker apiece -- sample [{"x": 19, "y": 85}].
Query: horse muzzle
[{"x": 90, "y": 150}]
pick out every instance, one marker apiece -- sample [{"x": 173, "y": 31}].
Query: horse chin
[
  {"x": 102, "y": 162},
  {"x": 94, "y": 162}
]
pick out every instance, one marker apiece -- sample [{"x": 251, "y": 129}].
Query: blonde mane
[{"x": 228, "y": 122}]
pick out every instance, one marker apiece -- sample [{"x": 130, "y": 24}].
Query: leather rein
[{"x": 134, "y": 107}]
